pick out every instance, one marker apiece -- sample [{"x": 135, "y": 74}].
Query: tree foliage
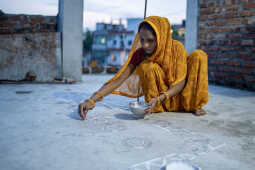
[{"x": 88, "y": 41}]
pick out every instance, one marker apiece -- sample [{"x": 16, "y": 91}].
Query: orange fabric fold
[{"x": 170, "y": 55}]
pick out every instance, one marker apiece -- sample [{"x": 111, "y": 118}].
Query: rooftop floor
[{"x": 40, "y": 129}]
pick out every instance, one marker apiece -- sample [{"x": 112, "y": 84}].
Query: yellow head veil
[{"x": 170, "y": 55}]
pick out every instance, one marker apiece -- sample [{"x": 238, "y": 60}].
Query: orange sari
[{"x": 169, "y": 65}]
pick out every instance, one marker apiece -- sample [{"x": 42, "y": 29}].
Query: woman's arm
[
  {"x": 170, "y": 93},
  {"x": 103, "y": 91},
  {"x": 173, "y": 91},
  {"x": 107, "y": 89}
]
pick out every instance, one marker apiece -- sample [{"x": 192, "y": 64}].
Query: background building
[{"x": 111, "y": 44}]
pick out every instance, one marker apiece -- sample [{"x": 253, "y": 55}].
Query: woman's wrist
[
  {"x": 91, "y": 102},
  {"x": 162, "y": 97},
  {"x": 97, "y": 96}
]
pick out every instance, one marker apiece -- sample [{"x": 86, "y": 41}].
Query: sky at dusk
[{"x": 102, "y": 10}]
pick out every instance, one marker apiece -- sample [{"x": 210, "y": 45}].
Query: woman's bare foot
[{"x": 200, "y": 112}]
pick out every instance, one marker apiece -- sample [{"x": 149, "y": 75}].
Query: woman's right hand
[{"x": 84, "y": 108}]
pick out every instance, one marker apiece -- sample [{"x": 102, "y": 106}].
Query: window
[
  {"x": 130, "y": 42},
  {"x": 114, "y": 42},
  {"x": 103, "y": 40},
  {"x": 113, "y": 58}
]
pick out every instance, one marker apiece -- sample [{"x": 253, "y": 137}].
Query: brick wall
[
  {"x": 226, "y": 32},
  {"x": 11, "y": 24},
  {"x": 30, "y": 48}
]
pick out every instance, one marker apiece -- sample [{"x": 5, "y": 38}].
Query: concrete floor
[{"x": 41, "y": 130}]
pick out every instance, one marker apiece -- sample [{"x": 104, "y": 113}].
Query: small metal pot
[{"x": 137, "y": 108}]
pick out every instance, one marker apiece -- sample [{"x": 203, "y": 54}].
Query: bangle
[
  {"x": 100, "y": 94},
  {"x": 166, "y": 95},
  {"x": 91, "y": 102},
  {"x": 158, "y": 100}
]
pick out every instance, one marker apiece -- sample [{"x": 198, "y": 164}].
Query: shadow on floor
[{"x": 125, "y": 116}]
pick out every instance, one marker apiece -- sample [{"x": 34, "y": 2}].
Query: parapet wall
[{"x": 13, "y": 24}]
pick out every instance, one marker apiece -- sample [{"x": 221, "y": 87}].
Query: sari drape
[{"x": 166, "y": 67}]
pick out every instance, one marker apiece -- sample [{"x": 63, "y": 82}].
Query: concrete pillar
[
  {"x": 191, "y": 25},
  {"x": 70, "y": 24}
]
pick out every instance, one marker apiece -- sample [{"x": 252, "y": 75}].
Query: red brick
[
  {"x": 203, "y": 17},
  {"x": 247, "y": 42},
  {"x": 226, "y": 30},
  {"x": 26, "y": 25},
  {"x": 245, "y": 56},
  {"x": 219, "y": 23},
  {"x": 250, "y": 29},
  {"x": 237, "y": 29},
  {"x": 229, "y": 2},
  {"x": 218, "y": 62},
  {"x": 226, "y": 48},
  {"x": 212, "y": 4},
  {"x": 239, "y": 35},
  {"x": 233, "y": 8},
  {"x": 7, "y": 24},
  {"x": 233, "y": 42},
  {"x": 214, "y": 16},
  {"x": 241, "y": 48},
  {"x": 244, "y": 70},
  {"x": 15, "y": 18},
  {"x": 247, "y": 13},
  {"x": 206, "y": 11},
  {"x": 236, "y": 77},
  {"x": 250, "y": 64},
  {"x": 211, "y": 68},
  {"x": 220, "y": 75},
  {"x": 34, "y": 25},
  {"x": 203, "y": 36},
  {"x": 210, "y": 23},
  {"x": 230, "y": 15},
  {"x": 203, "y": 31},
  {"x": 236, "y": 21},
  {"x": 240, "y": 1},
  {"x": 248, "y": 35},
  {"x": 25, "y": 20},
  {"x": 208, "y": 37},
  {"x": 226, "y": 69},
  {"x": 222, "y": 42},
  {"x": 233, "y": 63},
  {"x": 248, "y": 6},
  {"x": 218, "y": 10},
  {"x": 211, "y": 55},
  {"x": 251, "y": 20},
  {"x": 5, "y": 31},
  {"x": 250, "y": 78},
  {"x": 203, "y": 6},
  {"x": 202, "y": 42},
  {"x": 53, "y": 20},
  {"x": 37, "y": 19},
  {"x": 210, "y": 48}
]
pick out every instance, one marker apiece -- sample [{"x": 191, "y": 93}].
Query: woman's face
[{"x": 148, "y": 41}]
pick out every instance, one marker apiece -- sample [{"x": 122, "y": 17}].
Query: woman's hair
[{"x": 147, "y": 26}]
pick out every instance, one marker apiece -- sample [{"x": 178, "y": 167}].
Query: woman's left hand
[{"x": 151, "y": 105}]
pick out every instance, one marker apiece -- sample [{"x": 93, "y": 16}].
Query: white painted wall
[
  {"x": 191, "y": 25},
  {"x": 70, "y": 24}
]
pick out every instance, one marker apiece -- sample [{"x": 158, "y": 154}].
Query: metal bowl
[{"x": 137, "y": 108}]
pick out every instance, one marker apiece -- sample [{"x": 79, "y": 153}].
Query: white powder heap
[{"x": 180, "y": 166}]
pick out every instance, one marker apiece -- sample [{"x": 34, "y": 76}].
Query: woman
[{"x": 159, "y": 68}]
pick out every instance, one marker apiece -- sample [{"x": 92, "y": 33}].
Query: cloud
[
  {"x": 102, "y": 10},
  {"x": 29, "y": 7}
]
